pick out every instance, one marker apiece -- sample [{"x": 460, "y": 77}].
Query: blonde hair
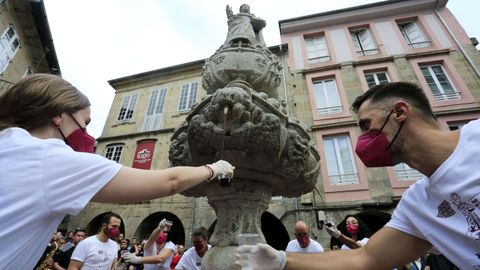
[{"x": 33, "y": 101}]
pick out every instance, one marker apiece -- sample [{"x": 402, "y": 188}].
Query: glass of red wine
[{"x": 224, "y": 180}]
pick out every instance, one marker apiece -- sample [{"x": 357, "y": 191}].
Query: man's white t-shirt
[
  {"x": 313, "y": 247},
  {"x": 95, "y": 254},
  {"x": 165, "y": 265},
  {"x": 41, "y": 182},
  {"x": 190, "y": 260},
  {"x": 449, "y": 216}
]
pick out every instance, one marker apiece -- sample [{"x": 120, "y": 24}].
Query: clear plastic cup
[
  {"x": 329, "y": 221},
  {"x": 167, "y": 224},
  {"x": 248, "y": 239}
]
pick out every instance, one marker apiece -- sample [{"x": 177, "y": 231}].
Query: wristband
[{"x": 210, "y": 170}]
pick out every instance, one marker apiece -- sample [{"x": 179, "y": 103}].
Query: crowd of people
[{"x": 109, "y": 249}]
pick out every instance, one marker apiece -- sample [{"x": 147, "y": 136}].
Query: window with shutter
[
  {"x": 327, "y": 98},
  {"x": 340, "y": 161},
  {"x": 317, "y": 49}
]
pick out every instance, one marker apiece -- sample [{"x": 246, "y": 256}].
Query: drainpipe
[
  {"x": 297, "y": 216},
  {"x": 297, "y": 207},
  {"x": 284, "y": 78},
  {"x": 469, "y": 60},
  {"x": 194, "y": 204}
]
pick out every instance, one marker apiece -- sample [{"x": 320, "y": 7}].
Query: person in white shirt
[
  {"x": 441, "y": 210},
  {"x": 158, "y": 251},
  {"x": 48, "y": 170},
  {"x": 98, "y": 251},
  {"x": 192, "y": 258},
  {"x": 303, "y": 243},
  {"x": 355, "y": 235}
]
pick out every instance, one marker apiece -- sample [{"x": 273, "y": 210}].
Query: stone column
[{"x": 239, "y": 209}]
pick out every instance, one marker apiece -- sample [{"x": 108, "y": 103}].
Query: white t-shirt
[
  {"x": 95, "y": 254},
  {"x": 313, "y": 247},
  {"x": 190, "y": 260},
  {"x": 449, "y": 216},
  {"x": 41, "y": 182},
  {"x": 363, "y": 242},
  {"x": 165, "y": 265}
]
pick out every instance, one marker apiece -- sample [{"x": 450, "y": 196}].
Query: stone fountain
[{"x": 244, "y": 121}]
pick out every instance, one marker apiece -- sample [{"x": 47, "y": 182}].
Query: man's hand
[
  {"x": 221, "y": 167},
  {"x": 164, "y": 224},
  {"x": 333, "y": 231},
  {"x": 131, "y": 258},
  {"x": 260, "y": 256}
]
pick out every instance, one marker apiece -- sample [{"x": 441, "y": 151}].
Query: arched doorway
[
  {"x": 177, "y": 232},
  {"x": 94, "y": 225},
  {"x": 375, "y": 220},
  {"x": 272, "y": 228},
  {"x": 275, "y": 233}
]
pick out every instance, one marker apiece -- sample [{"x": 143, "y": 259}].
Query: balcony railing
[
  {"x": 319, "y": 59},
  {"x": 344, "y": 179},
  {"x": 329, "y": 110},
  {"x": 422, "y": 44},
  {"x": 407, "y": 174},
  {"x": 447, "y": 96},
  {"x": 367, "y": 52}
]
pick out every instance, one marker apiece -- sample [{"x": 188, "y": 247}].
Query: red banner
[{"x": 144, "y": 154}]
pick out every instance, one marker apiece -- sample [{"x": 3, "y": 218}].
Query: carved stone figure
[{"x": 244, "y": 26}]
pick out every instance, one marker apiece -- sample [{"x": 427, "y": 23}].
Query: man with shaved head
[{"x": 303, "y": 243}]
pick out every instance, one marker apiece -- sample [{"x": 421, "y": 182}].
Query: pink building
[{"x": 337, "y": 55}]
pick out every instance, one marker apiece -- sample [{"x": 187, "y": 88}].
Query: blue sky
[{"x": 97, "y": 41}]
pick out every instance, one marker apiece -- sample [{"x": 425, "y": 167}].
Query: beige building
[
  {"x": 26, "y": 44},
  {"x": 329, "y": 59}
]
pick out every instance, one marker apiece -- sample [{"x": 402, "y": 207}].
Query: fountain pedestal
[{"x": 240, "y": 206}]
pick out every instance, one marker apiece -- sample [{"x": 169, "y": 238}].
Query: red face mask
[
  {"x": 112, "y": 233},
  {"x": 352, "y": 229},
  {"x": 303, "y": 241},
  {"x": 161, "y": 238},
  {"x": 373, "y": 147},
  {"x": 79, "y": 140},
  {"x": 199, "y": 247}
]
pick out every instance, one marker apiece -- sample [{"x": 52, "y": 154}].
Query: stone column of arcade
[{"x": 244, "y": 121}]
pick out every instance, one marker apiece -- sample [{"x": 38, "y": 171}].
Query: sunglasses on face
[{"x": 301, "y": 234}]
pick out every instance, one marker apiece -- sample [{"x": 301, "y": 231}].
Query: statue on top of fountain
[
  {"x": 244, "y": 57},
  {"x": 244, "y": 27}
]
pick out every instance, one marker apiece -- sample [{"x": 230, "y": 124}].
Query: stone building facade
[
  {"x": 328, "y": 59},
  {"x": 26, "y": 45}
]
